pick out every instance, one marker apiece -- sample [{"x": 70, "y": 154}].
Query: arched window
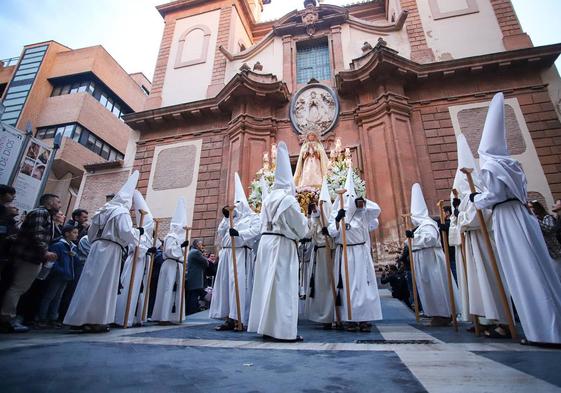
[{"x": 193, "y": 46}]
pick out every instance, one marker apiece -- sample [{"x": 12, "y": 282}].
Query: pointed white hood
[
  {"x": 493, "y": 151},
  {"x": 465, "y": 160},
  {"x": 493, "y": 140},
  {"x": 240, "y": 199},
  {"x": 283, "y": 171},
  {"x": 139, "y": 203},
  {"x": 419, "y": 209},
  {"x": 124, "y": 197},
  {"x": 179, "y": 219}
]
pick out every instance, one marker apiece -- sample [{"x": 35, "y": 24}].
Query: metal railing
[{"x": 10, "y": 61}]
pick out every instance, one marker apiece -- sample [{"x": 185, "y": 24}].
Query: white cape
[{"x": 95, "y": 298}]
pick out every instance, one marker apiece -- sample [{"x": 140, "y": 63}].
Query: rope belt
[
  {"x": 174, "y": 259},
  {"x": 506, "y": 201},
  {"x": 351, "y": 244},
  {"x": 281, "y": 235},
  {"x": 246, "y": 247},
  {"x": 124, "y": 254}
]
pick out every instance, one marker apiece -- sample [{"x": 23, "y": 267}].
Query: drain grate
[{"x": 394, "y": 342}]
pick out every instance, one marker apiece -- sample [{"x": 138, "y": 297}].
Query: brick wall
[
  {"x": 545, "y": 129},
  {"x": 513, "y": 36},
  {"x": 161, "y": 64},
  {"x": 211, "y": 184},
  {"x": 506, "y": 16},
  {"x": 219, "y": 67},
  {"x": 541, "y": 120},
  {"x": 420, "y": 52}
]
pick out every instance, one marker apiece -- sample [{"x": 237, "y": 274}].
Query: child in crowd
[{"x": 61, "y": 274}]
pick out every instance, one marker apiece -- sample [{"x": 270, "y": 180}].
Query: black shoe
[{"x": 17, "y": 327}]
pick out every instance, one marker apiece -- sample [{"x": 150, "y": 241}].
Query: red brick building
[
  {"x": 408, "y": 76},
  {"x": 81, "y": 93}
]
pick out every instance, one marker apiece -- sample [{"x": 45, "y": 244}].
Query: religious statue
[{"x": 312, "y": 163}]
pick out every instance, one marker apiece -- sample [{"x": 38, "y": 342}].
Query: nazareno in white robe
[
  {"x": 139, "y": 278},
  {"x": 167, "y": 304},
  {"x": 320, "y": 305},
  {"x": 430, "y": 271},
  {"x": 527, "y": 265},
  {"x": 365, "y": 299},
  {"x": 274, "y": 302},
  {"x": 223, "y": 302},
  {"x": 95, "y": 298},
  {"x": 455, "y": 240},
  {"x": 484, "y": 292}
]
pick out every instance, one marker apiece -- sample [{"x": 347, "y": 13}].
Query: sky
[{"x": 131, "y": 30}]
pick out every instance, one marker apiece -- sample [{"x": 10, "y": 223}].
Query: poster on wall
[
  {"x": 30, "y": 175},
  {"x": 11, "y": 143}
]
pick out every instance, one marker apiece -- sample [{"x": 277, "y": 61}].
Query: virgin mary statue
[{"x": 312, "y": 163}]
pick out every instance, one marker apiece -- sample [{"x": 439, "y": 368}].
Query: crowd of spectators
[{"x": 42, "y": 256}]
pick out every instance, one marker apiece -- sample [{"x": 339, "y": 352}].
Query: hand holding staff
[
  {"x": 150, "y": 270},
  {"x": 133, "y": 271},
  {"x": 239, "y": 324},
  {"x": 328, "y": 250},
  {"x": 342, "y": 192},
  {"x": 448, "y": 267},
  {"x": 407, "y": 218},
  {"x": 491, "y": 252},
  {"x": 184, "y": 278}
]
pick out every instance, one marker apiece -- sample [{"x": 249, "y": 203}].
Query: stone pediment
[{"x": 313, "y": 19}]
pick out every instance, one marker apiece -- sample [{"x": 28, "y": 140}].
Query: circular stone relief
[{"x": 314, "y": 108}]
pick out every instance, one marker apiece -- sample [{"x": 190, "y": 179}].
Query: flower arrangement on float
[{"x": 340, "y": 161}]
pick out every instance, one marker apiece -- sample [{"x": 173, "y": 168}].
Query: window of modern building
[
  {"x": 21, "y": 83},
  {"x": 95, "y": 89},
  {"x": 312, "y": 61},
  {"x": 83, "y": 136}
]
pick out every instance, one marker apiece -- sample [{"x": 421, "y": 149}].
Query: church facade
[{"x": 393, "y": 80}]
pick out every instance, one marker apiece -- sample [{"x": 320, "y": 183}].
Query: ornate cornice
[
  {"x": 328, "y": 16},
  {"x": 244, "y": 83},
  {"x": 382, "y": 62}
]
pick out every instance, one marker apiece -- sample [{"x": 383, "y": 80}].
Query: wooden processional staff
[
  {"x": 341, "y": 192},
  {"x": 239, "y": 324},
  {"x": 184, "y": 278},
  {"x": 463, "y": 253},
  {"x": 408, "y": 225},
  {"x": 448, "y": 266},
  {"x": 493, "y": 258},
  {"x": 150, "y": 271},
  {"x": 133, "y": 270},
  {"x": 328, "y": 249}
]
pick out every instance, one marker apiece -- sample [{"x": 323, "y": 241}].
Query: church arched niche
[{"x": 193, "y": 46}]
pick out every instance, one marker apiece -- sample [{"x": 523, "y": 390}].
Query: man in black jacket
[
  {"x": 8, "y": 227},
  {"x": 196, "y": 266},
  {"x": 30, "y": 252}
]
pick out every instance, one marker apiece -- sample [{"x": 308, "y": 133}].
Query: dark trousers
[
  {"x": 50, "y": 302},
  {"x": 193, "y": 300}
]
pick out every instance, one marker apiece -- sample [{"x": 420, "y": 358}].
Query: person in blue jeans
[{"x": 61, "y": 274}]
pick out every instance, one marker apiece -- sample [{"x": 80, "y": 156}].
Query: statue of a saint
[{"x": 312, "y": 163}]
